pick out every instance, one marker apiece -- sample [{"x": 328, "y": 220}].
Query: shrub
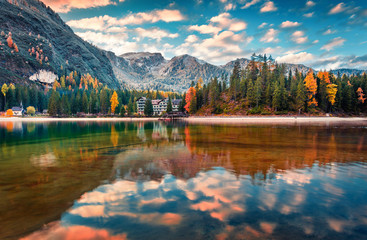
[
  {"x": 256, "y": 110},
  {"x": 9, "y": 113},
  {"x": 31, "y": 110}
]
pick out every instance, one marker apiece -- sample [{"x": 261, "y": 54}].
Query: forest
[
  {"x": 264, "y": 88},
  {"x": 75, "y": 94}
]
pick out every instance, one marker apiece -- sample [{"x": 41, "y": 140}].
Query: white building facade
[{"x": 159, "y": 105}]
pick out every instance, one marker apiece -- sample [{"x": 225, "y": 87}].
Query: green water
[{"x": 64, "y": 180}]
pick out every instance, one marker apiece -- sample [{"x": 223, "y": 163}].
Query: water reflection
[
  {"x": 152, "y": 180},
  {"x": 218, "y": 204}
]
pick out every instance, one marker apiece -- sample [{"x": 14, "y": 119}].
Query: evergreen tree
[
  {"x": 130, "y": 108},
  {"x": 169, "y": 105},
  {"x": 54, "y": 104},
  {"x": 300, "y": 97},
  {"x": 277, "y": 97},
  {"x": 122, "y": 111},
  {"x": 250, "y": 93},
  {"x": 258, "y": 90},
  {"x": 85, "y": 103},
  {"x": 65, "y": 105},
  {"x": 181, "y": 106},
  {"x": 148, "y": 108}
]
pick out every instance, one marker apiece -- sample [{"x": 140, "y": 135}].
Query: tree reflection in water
[{"x": 183, "y": 181}]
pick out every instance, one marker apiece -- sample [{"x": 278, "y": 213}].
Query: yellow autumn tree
[
  {"x": 331, "y": 90},
  {"x": 311, "y": 88},
  {"x": 200, "y": 83},
  {"x": 114, "y": 102}
]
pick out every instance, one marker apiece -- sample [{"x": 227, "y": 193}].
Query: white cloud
[
  {"x": 64, "y": 6},
  {"x": 154, "y": 33},
  {"x": 270, "y": 36},
  {"x": 268, "y": 7},
  {"x": 191, "y": 39},
  {"x": 338, "y": 8},
  {"x": 329, "y": 31},
  {"x": 165, "y": 15},
  {"x": 295, "y": 58},
  {"x": 118, "y": 43},
  {"x": 230, "y": 6},
  {"x": 336, "y": 42},
  {"x": 310, "y": 3},
  {"x": 249, "y": 4},
  {"x": 316, "y": 41},
  {"x": 95, "y": 23},
  {"x": 205, "y": 29},
  {"x": 299, "y": 37},
  {"x": 262, "y": 25},
  {"x": 224, "y": 20},
  {"x": 308, "y": 15},
  {"x": 289, "y": 24},
  {"x": 218, "y": 49},
  {"x": 102, "y": 22}
]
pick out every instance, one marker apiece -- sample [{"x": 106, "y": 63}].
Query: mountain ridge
[{"x": 47, "y": 43}]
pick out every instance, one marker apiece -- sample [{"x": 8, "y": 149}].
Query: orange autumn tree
[
  {"x": 360, "y": 94},
  {"x": 324, "y": 76},
  {"x": 10, "y": 41},
  {"x": 191, "y": 93},
  {"x": 311, "y": 88},
  {"x": 114, "y": 102}
]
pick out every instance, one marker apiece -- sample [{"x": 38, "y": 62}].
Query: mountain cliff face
[{"x": 45, "y": 43}]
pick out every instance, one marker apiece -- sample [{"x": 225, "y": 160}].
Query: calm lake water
[{"x": 117, "y": 180}]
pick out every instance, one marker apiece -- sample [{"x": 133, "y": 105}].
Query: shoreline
[
  {"x": 49, "y": 119},
  {"x": 274, "y": 120},
  {"x": 204, "y": 120}
]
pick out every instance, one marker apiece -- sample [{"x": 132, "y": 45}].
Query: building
[
  {"x": 17, "y": 111},
  {"x": 140, "y": 104},
  {"x": 159, "y": 105},
  {"x": 176, "y": 104}
]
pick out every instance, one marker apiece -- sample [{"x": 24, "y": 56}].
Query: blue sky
[{"x": 323, "y": 34}]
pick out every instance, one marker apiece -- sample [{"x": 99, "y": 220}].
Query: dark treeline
[
  {"x": 265, "y": 88},
  {"x": 74, "y": 93}
]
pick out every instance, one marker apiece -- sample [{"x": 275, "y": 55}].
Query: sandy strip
[
  {"x": 207, "y": 120},
  {"x": 274, "y": 120},
  {"x": 44, "y": 119}
]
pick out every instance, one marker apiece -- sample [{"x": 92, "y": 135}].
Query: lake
[{"x": 154, "y": 180}]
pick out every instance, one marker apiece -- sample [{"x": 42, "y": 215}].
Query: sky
[{"x": 323, "y": 34}]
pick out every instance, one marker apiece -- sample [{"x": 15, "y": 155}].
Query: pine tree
[
  {"x": 85, "y": 103},
  {"x": 300, "y": 97},
  {"x": 277, "y": 97},
  {"x": 250, "y": 93},
  {"x": 54, "y": 104},
  {"x": 65, "y": 105},
  {"x": 148, "y": 108},
  {"x": 258, "y": 90},
  {"x": 169, "y": 105},
  {"x": 122, "y": 111},
  {"x": 130, "y": 108}
]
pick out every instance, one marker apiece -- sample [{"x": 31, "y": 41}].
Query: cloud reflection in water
[{"x": 215, "y": 204}]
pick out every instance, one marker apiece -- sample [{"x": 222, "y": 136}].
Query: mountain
[
  {"x": 46, "y": 44},
  {"x": 34, "y": 26},
  {"x": 348, "y": 71}
]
